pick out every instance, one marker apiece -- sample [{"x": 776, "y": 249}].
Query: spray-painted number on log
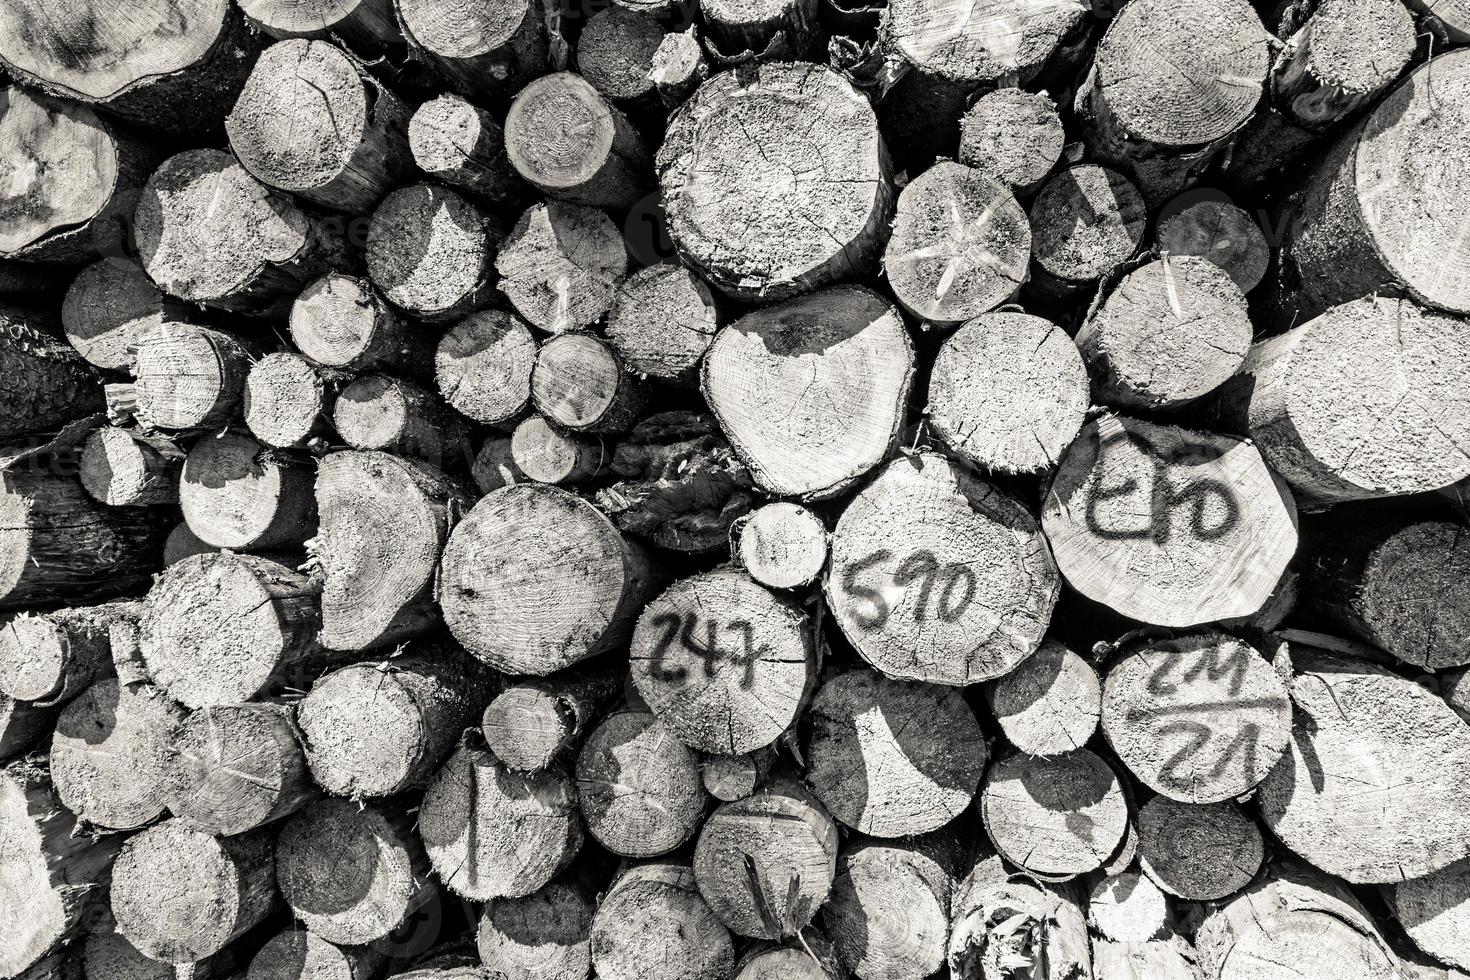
[
  {"x": 945, "y": 591},
  {"x": 706, "y": 649},
  {"x": 1164, "y": 500}
]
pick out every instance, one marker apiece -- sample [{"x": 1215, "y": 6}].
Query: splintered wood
[{"x": 734, "y": 490}]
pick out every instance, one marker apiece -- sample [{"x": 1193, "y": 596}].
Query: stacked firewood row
[{"x": 802, "y": 489}]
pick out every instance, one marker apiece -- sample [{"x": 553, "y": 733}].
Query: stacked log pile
[{"x": 734, "y": 490}]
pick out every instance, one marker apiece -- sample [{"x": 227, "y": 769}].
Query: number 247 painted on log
[{"x": 956, "y": 585}]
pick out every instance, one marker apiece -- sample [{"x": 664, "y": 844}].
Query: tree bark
[
  {"x": 1086, "y": 221},
  {"x": 641, "y": 792},
  {"x": 239, "y": 767},
  {"x": 1393, "y": 582},
  {"x": 1009, "y": 392},
  {"x": 189, "y": 377},
  {"x": 177, "y": 69},
  {"x": 82, "y": 172},
  {"x": 936, "y": 576},
  {"x": 1450, "y": 16},
  {"x": 1198, "y": 852},
  {"x": 725, "y": 663},
  {"x": 888, "y": 914},
  {"x": 224, "y": 628},
  {"x": 1012, "y": 136},
  {"x": 62, "y": 875},
  {"x": 59, "y": 545},
  {"x": 180, "y": 895},
  {"x": 299, "y": 954},
  {"x": 483, "y": 50},
  {"x": 783, "y": 546},
  {"x": 1162, "y": 114},
  {"x": 569, "y": 142},
  {"x": 561, "y": 265},
  {"x": 807, "y": 426},
  {"x": 1220, "y": 232},
  {"x": 494, "y": 833},
  {"x": 312, "y": 121},
  {"x": 463, "y": 146},
  {"x": 422, "y": 703},
  {"x": 522, "y": 545},
  {"x": 1169, "y": 332},
  {"x": 733, "y": 150},
  {"x": 364, "y": 24},
  {"x": 544, "y": 936},
  {"x": 892, "y": 758},
  {"x": 431, "y": 252},
  {"x": 483, "y": 366},
  {"x": 1376, "y": 214},
  {"x": 50, "y": 658},
  {"x": 786, "y": 30},
  {"x": 653, "y": 925},
  {"x": 1000, "y": 920},
  {"x": 1055, "y": 818},
  {"x": 679, "y": 483},
  {"x": 353, "y": 872},
  {"x": 1299, "y": 917},
  {"x": 395, "y": 415},
  {"x": 340, "y": 321},
  {"x": 1112, "y": 517},
  {"x": 384, "y": 523},
  {"x": 22, "y": 725},
  {"x": 235, "y": 493},
  {"x": 210, "y": 233},
  {"x": 1048, "y": 705},
  {"x": 128, "y": 467},
  {"x": 1359, "y": 729},
  {"x": 287, "y": 401},
  {"x": 531, "y": 723},
  {"x": 1367, "y": 400},
  {"x": 1200, "y": 718},
  {"x": 47, "y": 383},
  {"x": 960, "y": 245},
  {"x": 662, "y": 321},
  {"x": 766, "y": 863},
  {"x": 112, "y": 758}
]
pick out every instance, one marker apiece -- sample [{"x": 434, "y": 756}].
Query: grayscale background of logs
[{"x": 734, "y": 489}]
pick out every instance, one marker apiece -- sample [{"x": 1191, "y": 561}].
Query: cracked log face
[
  {"x": 960, "y": 245},
  {"x": 937, "y": 576},
  {"x": 893, "y": 758},
  {"x": 1370, "y": 399},
  {"x": 1009, "y": 392},
  {"x": 811, "y": 392},
  {"x": 641, "y": 792},
  {"x": 1166, "y": 525},
  {"x": 1200, "y": 718},
  {"x": 654, "y": 925},
  {"x": 1050, "y": 704},
  {"x": 776, "y": 181},
  {"x": 723, "y": 661},
  {"x": 1171, "y": 331},
  {"x": 1376, "y": 786}
]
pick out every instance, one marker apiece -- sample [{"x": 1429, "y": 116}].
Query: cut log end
[
  {"x": 653, "y": 925},
  {"x": 1050, "y": 704},
  {"x": 1008, "y": 391},
  {"x": 578, "y": 382},
  {"x": 180, "y": 895},
  {"x": 1221, "y": 232},
  {"x": 339, "y": 321},
  {"x": 463, "y": 146},
  {"x": 640, "y": 786},
  {"x": 563, "y": 137},
  {"x": 546, "y": 454},
  {"x": 234, "y": 493},
  {"x": 110, "y": 306},
  {"x": 1085, "y": 221},
  {"x": 927, "y": 558},
  {"x": 1166, "y": 525},
  {"x": 1058, "y": 817},
  {"x": 663, "y": 319},
  {"x": 285, "y": 400},
  {"x": 1198, "y": 852},
  {"x": 1012, "y": 136},
  {"x": 430, "y": 251},
  {"x": 561, "y": 265},
  {"x": 543, "y": 936},
  {"x": 783, "y": 546}
]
